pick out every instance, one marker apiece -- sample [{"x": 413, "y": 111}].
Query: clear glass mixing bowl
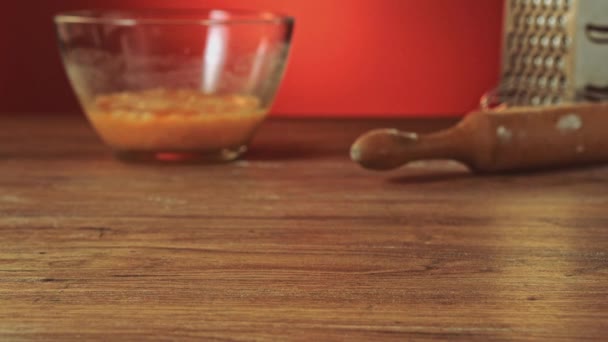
[{"x": 175, "y": 84}]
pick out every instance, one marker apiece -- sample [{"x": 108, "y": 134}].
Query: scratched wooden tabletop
[{"x": 292, "y": 243}]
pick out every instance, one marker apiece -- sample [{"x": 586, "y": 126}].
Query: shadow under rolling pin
[{"x": 517, "y": 138}]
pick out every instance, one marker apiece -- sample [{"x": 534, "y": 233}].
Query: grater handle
[
  {"x": 597, "y": 33},
  {"x": 595, "y": 93}
]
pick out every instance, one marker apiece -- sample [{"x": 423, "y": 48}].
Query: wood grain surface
[{"x": 293, "y": 243}]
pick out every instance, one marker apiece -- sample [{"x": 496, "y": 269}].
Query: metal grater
[{"x": 555, "y": 51}]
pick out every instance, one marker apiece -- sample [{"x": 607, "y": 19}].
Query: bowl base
[{"x": 203, "y": 157}]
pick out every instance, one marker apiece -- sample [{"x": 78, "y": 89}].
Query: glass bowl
[{"x": 175, "y": 84}]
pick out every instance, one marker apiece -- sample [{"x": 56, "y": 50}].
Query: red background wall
[{"x": 349, "y": 58}]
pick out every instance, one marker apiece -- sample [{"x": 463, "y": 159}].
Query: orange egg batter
[{"x": 175, "y": 120}]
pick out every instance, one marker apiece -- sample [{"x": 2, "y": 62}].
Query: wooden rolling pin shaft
[{"x": 517, "y": 138}]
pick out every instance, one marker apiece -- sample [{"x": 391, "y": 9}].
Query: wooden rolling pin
[{"x": 517, "y": 138}]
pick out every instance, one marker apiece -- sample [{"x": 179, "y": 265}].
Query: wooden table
[{"x": 295, "y": 242}]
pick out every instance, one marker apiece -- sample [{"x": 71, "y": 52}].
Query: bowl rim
[{"x": 171, "y": 16}]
